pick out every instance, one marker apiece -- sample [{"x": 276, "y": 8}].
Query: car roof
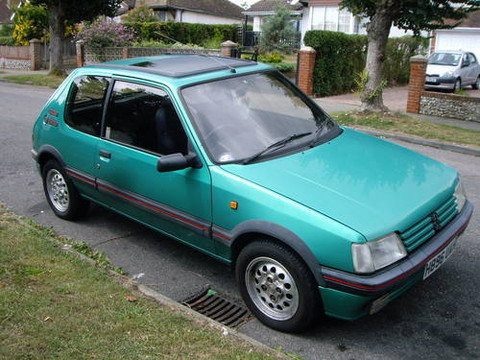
[
  {"x": 178, "y": 66},
  {"x": 451, "y": 52}
]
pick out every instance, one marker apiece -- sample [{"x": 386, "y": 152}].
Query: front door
[
  {"x": 81, "y": 131},
  {"x": 142, "y": 125}
]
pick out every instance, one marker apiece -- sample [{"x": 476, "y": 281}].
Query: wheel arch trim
[{"x": 236, "y": 238}]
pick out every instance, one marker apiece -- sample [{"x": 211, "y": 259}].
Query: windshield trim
[{"x": 287, "y": 150}]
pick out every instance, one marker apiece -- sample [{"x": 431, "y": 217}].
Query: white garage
[{"x": 466, "y": 39}]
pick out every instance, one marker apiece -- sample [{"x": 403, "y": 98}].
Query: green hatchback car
[{"x": 229, "y": 157}]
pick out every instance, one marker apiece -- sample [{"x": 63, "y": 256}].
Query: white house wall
[
  {"x": 459, "y": 39},
  {"x": 199, "y": 18}
]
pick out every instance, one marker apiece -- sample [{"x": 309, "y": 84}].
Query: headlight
[
  {"x": 375, "y": 255},
  {"x": 448, "y": 74},
  {"x": 460, "y": 196}
]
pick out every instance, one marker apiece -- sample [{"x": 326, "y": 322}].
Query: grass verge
[
  {"x": 54, "y": 305},
  {"x": 36, "y": 80},
  {"x": 410, "y": 126}
]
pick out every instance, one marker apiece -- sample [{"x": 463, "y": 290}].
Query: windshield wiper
[
  {"x": 276, "y": 144},
  {"x": 318, "y": 132}
]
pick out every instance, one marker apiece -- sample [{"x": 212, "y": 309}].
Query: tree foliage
[
  {"x": 31, "y": 22},
  {"x": 74, "y": 11},
  {"x": 277, "y": 30},
  {"x": 140, "y": 14},
  {"x": 82, "y": 10},
  {"x": 415, "y": 15}
]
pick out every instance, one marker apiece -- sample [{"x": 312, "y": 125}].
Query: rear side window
[
  {"x": 144, "y": 117},
  {"x": 85, "y": 103}
]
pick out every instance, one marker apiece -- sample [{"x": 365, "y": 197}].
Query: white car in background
[{"x": 452, "y": 70}]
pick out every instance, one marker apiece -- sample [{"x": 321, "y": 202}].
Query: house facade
[
  {"x": 316, "y": 15},
  {"x": 196, "y": 11},
  {"x": 465, "y": 37}
]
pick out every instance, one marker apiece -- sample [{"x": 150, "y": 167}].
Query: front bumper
[
  {"x": 394, "y": 280},
  {"x": 447, "y": 83}
]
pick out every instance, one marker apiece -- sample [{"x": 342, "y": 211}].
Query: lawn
[
  {"x": 54, "y": 305},
  {"x": 36, "y": 80},
  {"x": 410, "y": 126}
]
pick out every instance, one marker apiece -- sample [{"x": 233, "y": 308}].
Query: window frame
[
  {"x": 69, "y": 104},
  {"x": 109, "y": 98}
]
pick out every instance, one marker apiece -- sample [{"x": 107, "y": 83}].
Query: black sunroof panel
[{"x": 180, "y": 66}]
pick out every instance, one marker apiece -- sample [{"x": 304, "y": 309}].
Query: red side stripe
[{"x": 154, "y": 208}]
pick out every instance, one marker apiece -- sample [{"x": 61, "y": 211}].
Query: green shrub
[
  {"x": 6, "y": 30},
  {"x": 160, "y": 44},
  {"x": 396, "y": 68},
  {"x": 7, "y": 41},
  {"x": 171, "y": 32},
  {"x": 284, "y": 67},
  {"x": 341, "y": 59},
  {"x": 271, "y": 58},
  {"x": 30, "y": 23}
]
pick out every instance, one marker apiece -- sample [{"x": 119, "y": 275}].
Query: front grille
[{"x": 423, "y": 230}]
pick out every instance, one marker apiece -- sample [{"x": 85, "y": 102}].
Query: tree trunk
[
  {"x": 57, "y": 33},
  {"x": 377, "y": 30}
]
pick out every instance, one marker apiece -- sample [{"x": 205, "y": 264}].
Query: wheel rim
[
  {"x": 57, "y": 190},
  {"x": 272, "y": 288},
  {"x": 477, "y": 84},
  {"x": 458, "y": 85}
]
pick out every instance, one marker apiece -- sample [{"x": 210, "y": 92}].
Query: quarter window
[
  {"x": 144, "y": 117},
  {"x": 85, "y": 104}
]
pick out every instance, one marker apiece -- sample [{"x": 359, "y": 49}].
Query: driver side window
[{"x": 144, "y": 117}]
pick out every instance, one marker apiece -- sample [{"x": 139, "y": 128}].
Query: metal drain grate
[{"x": 212, "y": 305}]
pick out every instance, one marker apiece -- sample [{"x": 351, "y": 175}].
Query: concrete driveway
[{"x": 437, "y": 319}]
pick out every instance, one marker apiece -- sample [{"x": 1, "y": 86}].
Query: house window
[
  {"x": 161, "y": 15},
  {"x": 331, "y": 18}
]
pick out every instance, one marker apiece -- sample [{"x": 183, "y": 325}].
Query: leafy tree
[
  {"x": 277, "y": 30},
  {"x": 140, "y": 14},
  {"x": 73, "y": 11},
  {"x": 415, "y": 15},
  {"x": 30, "y": 23}
]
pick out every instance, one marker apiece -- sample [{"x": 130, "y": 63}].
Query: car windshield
[
  {"x": 451, "y": 59},
  {"x": 244, "y": 118}
]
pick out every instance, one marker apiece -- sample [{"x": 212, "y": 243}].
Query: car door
[
  {"x": 475, "y": 67},
  {"x": 142, "y": 125},
  {"x": 81, "y": 131}
]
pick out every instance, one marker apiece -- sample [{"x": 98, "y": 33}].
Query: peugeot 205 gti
[{"x": 227, "y": 156}]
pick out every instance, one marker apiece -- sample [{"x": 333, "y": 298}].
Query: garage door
[{"x": 464, "y": 40}]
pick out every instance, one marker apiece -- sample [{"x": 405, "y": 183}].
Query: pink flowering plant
[{"x": 100, "y": 34}]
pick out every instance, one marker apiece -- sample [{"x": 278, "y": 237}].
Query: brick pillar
[
  {"x": 35, "y": 54},
  {"x": 416, "y": 84},
  {"x": 227, "y": 48},
  {"x": 306, "y": 64},
  {"x": 126, "y": 52},
  {"x": 80, "y": 49}
]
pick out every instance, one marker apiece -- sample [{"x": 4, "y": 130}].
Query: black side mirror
[
  {"x": 178, "y": 161},
  {"x": 465, "y": 64}
]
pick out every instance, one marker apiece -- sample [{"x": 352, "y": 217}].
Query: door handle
[{"x": 105, "y": 154}]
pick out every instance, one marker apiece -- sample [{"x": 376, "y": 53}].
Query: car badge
[{"x": 436, "y": 222}]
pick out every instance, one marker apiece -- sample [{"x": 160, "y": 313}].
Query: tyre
[
  {"x": 476, "y": 84},
  {"x": 457, "y": 85},
  {"x": 61, "y": 194},
  {"x": 277, "y": 286}
]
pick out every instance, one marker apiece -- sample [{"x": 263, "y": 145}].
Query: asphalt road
[{"x": 437, "y": 319}]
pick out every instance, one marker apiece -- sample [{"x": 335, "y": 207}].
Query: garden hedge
[
  {"x": 184, "y": 33},
  {"x": 341, "y": 57}
]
